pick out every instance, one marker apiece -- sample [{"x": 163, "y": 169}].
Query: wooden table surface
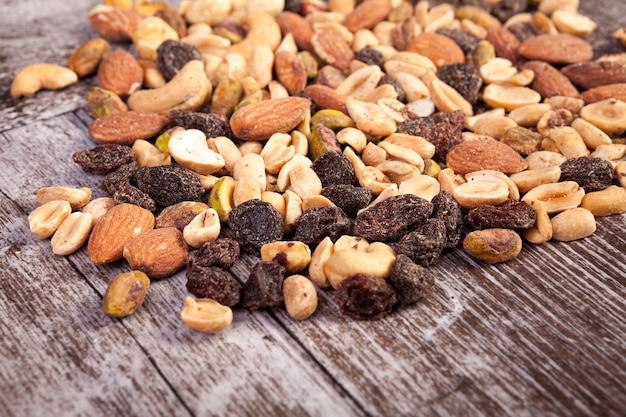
[{"x": 542, "y": 335}]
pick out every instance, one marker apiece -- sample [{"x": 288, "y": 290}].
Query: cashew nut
[
  {"x": 262, "y": 30},
  {"x": 376, "y": 261},
  {"x": 35, "y": 77}
]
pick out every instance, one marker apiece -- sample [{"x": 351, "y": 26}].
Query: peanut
[{"x": 300, "y": 297}]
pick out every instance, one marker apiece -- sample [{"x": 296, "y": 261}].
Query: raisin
[
  {"x": 448, "y": 210},
  {"x": 318, "y": 222},
  {"x": 116, "y": 179},
  {"x": 392, "y": 217},
  {"x": 212, "y": 125},
  {"x": 505, "y": 9},
  {"x": 104, "y": 159},
  {"x": 365, "y": 298},
  {"x": 333, "y": 168},
  {"x": 592, "y": 174},
  {"x": 169, "y": 184},
  {"x": 467, "y": 41},
  {"x": 222, "y": 253},
  {"x": 370, "y": 56},
  {"x": 464, "y": 78},
  {"x": 511, "y": 214},
  {"x": 412, "y": 282},
  {"x": 441, "y": 129},
  {"x": 255, "y": 223},
  {"x": 388, "y": 79},
  {"x": 127, "y": 193},
  {"x": 524, "y": 30},
  {"x": 349, "y": 198},
  {"x": 212, "y": 282},
  {"x": 173, "y": 55},
  {"x": 264, "y": 287},
  {"x": 425, "y": 244},
  {"x": 481, "y": 4}
]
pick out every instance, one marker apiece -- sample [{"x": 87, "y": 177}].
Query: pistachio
[{"x": 125, "y": 294}]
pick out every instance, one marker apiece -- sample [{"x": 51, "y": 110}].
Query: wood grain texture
[{"x": 540, "y": 335}]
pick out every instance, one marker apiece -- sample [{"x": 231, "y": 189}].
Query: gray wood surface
[{"x": 543, "y": 334}]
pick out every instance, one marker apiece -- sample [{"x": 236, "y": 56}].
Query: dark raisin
[
  {"x": 212, "y": 282},
  {"x": 222, "y": 253},
  {"x": 334, "y": 168},
  {"x": 294, "y": 6},
  {"x": 592, "y": 174},
  {"x": 370, "y": 56},
  {"x": 392, "y": 217},
  {"x": 318, "y": 222},
  {"x": 466, "y": 40},
  {"x": 505, "y": 9},
  {"x": 255, "y": 223},
  {"x": 349, "y": 198},
  {"x": 169, "y": 184},
  {"x": 388, "y": 79},
  {"x": 524, "y": 30},
  {"x": 425, "y": 244},
  {"x": 448, "y": 210},
  {"x": 412, "y": 282},
  {"x": 481, "y": 4},
  {"x": 464, "y": 78},
  {"x": 511, "y": 214},
  {"x": 173, "y": 55},
  {"x": 127, "y": 193},
  {"x": 264, "y": 287},
  {"x": 212, "y": 125},
  {"x": 104, "y": 159},
  {"x": 363, "y": 297},
  {"x": 116, "y": 179},
  {"x": 442, "y": 130}
]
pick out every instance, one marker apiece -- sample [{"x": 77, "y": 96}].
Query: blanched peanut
[
  {"x": 509, "y": 96},
  {"x": 376, "y": 261},
  {"x": 148, "y": 155},
  {"x": 316, "y": 201},
  {"x": 320, "y": 255},
  {"x": 612, "y": 153},
  {"x": 569, "y": 142},
  {"x": 227, "y": 149},
  {"x": 541, "y": 232},
  {"x": 370, "y": 118},
  {"x": 491, "y": 175},
  {"x": 529, "y": 115},
  {"x": 293, "y": 209},
  {"x": 416, "y": 143},
  {"x": 293, "y": 255},
  {"x": 573, "y": 224},
  {"x": 77, "y": 197},
  {"x": 373, "y": 154},
  {"x": 72, "y": 234},
  {"x": 277, "y": 152},
  {"x": 447, "y": 98},
  {"x": 607, "y": 115},
  {"x": 531, "y": 178},
  {"x": 275, "y": 199},
  {"x": 352, "y": 137},
  {"x": 300, "y": 297},
  {"x": 190, "y": 149},
  {"x": 351, "y": 242},
  {"x": 620, "y": 173},
  {"x": 203, "y": 228},
  {"x": 542, "y": 159},
  {"x": 591, "y": 135},
  {"x": 402, "y": 153},
  {"x": 494, "y": 127},
  {"x": 283, "y": 179},
  {"x": 304, "y": 182},
  {"x": 558, "y": 196},
  {"x": 399, "y": 171},
  {"x": 611, "y": 200},
  {"x": 206, "y": 315},
  {"x": 98, "y": 207},
  {"x": 373, "y": 179},
  {"x": 250, "y": 179},
  {"x": 423, "y": 186},
  {"x": 470, "y": 122},
  {"x": 477, "y": 193},
  {"x": 46, "y": 219}
]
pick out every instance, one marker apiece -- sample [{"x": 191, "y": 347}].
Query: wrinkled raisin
[
  {"x": 118, "y": 178},
  {"x": 392, "y": 217},
  {"x": 127, "y": 193},
  {"x": 511, "y": 214},
  {"x": 169, "y": 184},
  {"x": 464, "y": 78},
  {"x": 173, "y": 55},
  {"x": 592, "y": 174},
  {"x": 412, "y": 282},
  {"x": 212, "y": 125},
  {"x": 213, "y": 282},
  {"x": 104, "y": 159},
  {"x": 349, "y": 198},
  {"x": 425, "y": 244},
  {"x": 524, "y": 30},
  {"x": 442, "y": 129},
  {"x": 264, "y": 287},
  {"x": 334, "y": 168},
  {"x": 365, "y": 298},
  {"x": 370, "y": 56},
  {"x": 222, "y": 253},
  {"x": 505, "y": 9},
  {"x": 448, "y": 210},
  {"x": 255, "y": 223},
  {"x": 467, "y": 41},
  {"x": 318, "y": 222}
]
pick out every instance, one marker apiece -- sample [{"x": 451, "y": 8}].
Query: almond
[
  {"x": 440, "y": 49},
  {"x": 595, "y": 74},
  {"x": 559, "y": 48},
  {"x": 127, "y": 127},
  {"x": 506, "y": 44},
  {"x": 484, "y": 153},
  {"x": 331, "y": 46},
  {"x": 298, "y": 26},
  {"x": 326, "y": 97},
  {"x": 114, "y": 23},
  {"x": 120, "y": 224},
  {"x": 549, "y": 81},
  {"x": 604, "y": 92},
  {"x": 120, "y": 73},
  {"x": 159, "y": 253},
  {"x": 367, "y": 14},
  {"x": 290, "y": 71},
  {"x": 259, "y": 121}
]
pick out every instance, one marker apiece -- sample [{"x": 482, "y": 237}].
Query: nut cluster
[{"x": 341, "y": 142}]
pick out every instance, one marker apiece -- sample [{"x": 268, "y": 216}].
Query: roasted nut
[
  {"x": 607, "y": 115},
  {"x": 320, "y": 255},
  {"x": 556, "y": 197},
  {"x": 300, "y": 297},
  {"x": 85, "y": 59},
  {"x": 98, "y": 207},
  {"x": 102, "y": 102},
  {"x": 120, "y": 73},
  {"x": 376, "y": 261},
  {"x": 476, "y": 193},
  {"x": 205, "y": 227},
  {"x": 569, "y": 142},
  {"x": 206, "y": 315},
  {"x": 72, "y": 234},
  {"x": 190, "y": 149},
  {"x": 573, "y": 224},
  {"x": 493, "y": 245},
  {"x": 35, "y": 77},
  {"x": 611, "y": 200},
  {"x": 46, "y": 219},
  {"x": 531, "y": 178},
  {"x": 293, "y": 255},
  {"x": 221, "y": 197},
  {"x": 159, "y": 253},
  {"x": 77, "y": 197},
  {"x": 127, "y": 127},
  {"x": 370, "y": 118},
  {"x": 148, "y": 155},
  {"x": 541, "y": 232},
  {"x": 115, "y": 24},
  {"x": 125, "y": 294},
  {"x": 149, "y": 34}
]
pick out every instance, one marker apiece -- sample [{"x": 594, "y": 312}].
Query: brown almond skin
[
  {"x": 159, "y": 253},
  {"x": 115, "y": 24},
  {"x": 259, "y": 121},
  {"x": 560, "y": 48},
  {"x": 439, "y": 48},
  {"x": 120, "y": 73},
  {"x": 290, "y": 71},
  {"x": 332, "y": 48},
  {"x": 604, "y": 92},
  {"x": 326, "y": 97},
  {"x": 595, "y": 74},
  {"x": 549, "y": 81},
  {"x": 367, "y": 15},
  {"x": 298, "y": 26},
  {"x": 478, "y": 154},
  {"x": 120, "y": 224},
  {"x": 126, "y": 127},
  {"x": 506, "y": 45}
]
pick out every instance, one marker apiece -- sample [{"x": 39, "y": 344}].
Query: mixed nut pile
[{"x": 346, "y": 144}]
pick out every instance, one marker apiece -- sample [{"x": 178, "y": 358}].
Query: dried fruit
[
  {"x": 212, "y": 282},
  {"x": 264, "y": 286},
  {"x": 169, "y": 184},
  {"x": 173, "y": 55},
  {"x": 448, "y": 210},
  {"x": 362, "y": 297},
  {"x": 318, "y": 222},
  {"x": 412, "y": 282},
  {"x": 221, "y": 253},
  {"x": 334, "y": 168},
  {"x": 103, "y": 159},
  {"x": 424, "y": 244},
  {"x": 255, "y": 223},
  {"x": 511, "y": 214},
  {"x": 464, "y": 78},
  {"x": 592, "y": 174},
  {"x": 349, "y": 198},
  {"x": 442, "y": 130}
]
